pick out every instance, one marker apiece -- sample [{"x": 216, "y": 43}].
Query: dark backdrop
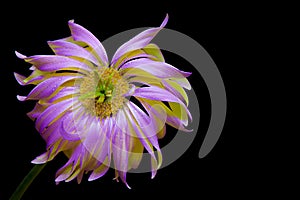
[{"x": 26, "y": 27}]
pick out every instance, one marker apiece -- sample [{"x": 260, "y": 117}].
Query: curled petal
[
  {"x": 139, "y": 41},
  {"x": 51, "y": 113},
  {"x": 64, "y": 92},
  {"x": 43, "y": 158},
  {"x": 99, "y": 171},
  {"x": 56, "y": 63},
  {"x": 47, "y": 87},
  {"x": 65, "y": 48},
  {"x": 183, "y": 82},
  {"x": 79, "y": 33},
  {"x": 158, "y": 94},
  {"x": 174, "y": 119},
  {"x": 66, "y": 134},
  {"x": 157, "y": 69},
  {"x": 96, "y": 142},
  {"x": 19, "y": 55},
  {"x": 66, "y": 171},
  {"x": 177, "y": 90},
  {"x": 142, "y": 133},
  {"x": 120, "y": 146},
  {"x": 20, "y": 79}
]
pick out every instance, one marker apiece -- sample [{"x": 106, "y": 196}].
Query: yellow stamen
[{"x": 102, "y": 92}]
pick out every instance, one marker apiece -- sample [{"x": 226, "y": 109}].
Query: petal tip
[
  {"x": 50, "y": 42},
  {"x": 21, "y": 98},
  {"x": 188, "y": 74},
  {"x": 127, "y": 186},
  {"x": 91, "y": 178},
  {"x": 19, "y": 78},
  {"x": 37, "y": 161},
  {"x": 163, "y": 24},
  {"x": 153, "y": 174},
  {"x": 19, "y": 55}
]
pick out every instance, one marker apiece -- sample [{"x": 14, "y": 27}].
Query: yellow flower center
[{"x": 102, "y": 92}]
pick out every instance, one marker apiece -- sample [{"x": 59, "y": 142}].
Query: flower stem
[{"x": 27, "y": 181}]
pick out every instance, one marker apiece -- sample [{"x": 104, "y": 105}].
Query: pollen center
[{"x": 102, "y": 92}]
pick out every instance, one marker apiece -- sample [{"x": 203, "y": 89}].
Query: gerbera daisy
[{"x": 101, "y": 113}]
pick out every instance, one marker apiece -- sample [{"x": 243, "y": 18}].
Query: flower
[{"x": 98, "y": 113}]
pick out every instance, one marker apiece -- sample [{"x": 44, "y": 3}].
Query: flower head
[{"x": 87, "y": 107}]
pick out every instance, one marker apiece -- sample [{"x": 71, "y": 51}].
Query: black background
[{"x": 225, "y": 171}]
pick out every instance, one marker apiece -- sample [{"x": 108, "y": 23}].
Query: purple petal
[
  {"x": 98, "y": 172},
  {"x": 19, "y": 55},
  {"x": 183, "y": 82},
  {"x": 174, "y": 91},
  {"x": 156, "y": 68},
  {"x": 159, "y": 94},
  {"x": 130, "y": 91},
  {"x": 149, "y": 132},
  {"x": 52, "y": 134},
  {"x": 64, "y": 48},
  {"x": 53, "y": 150},
  {"x": 20, "y": 78},
  {"x": 171, "y": 119},
  {"x": 96, "y": 142},
  {"x": 79, "y": 33},
  {"x": 37, "y": 110},
  {"x": 139, "y": 41},
  {"x": 156, "y": 93},
  {"x": 143, "y": 121},
  {"x": 64, "y": 172},
  {"x": 120, "y": 146},
  {"x": 80, "y": 176},
  {"x": 63, "y": 92},
  {"x": 147, "y": 123},
  {"x": 32, "y": 68},
  {"x": 177, "y": 123},
  {"x": 72, "y": 124},
  {"x": 43, "y": 158},
  {"x": 66, "y": 134},
  {"x": 47, "y": 87},
  {"x": 129, "y": 57},
  {"x": 55, "y": 63},
  {"x": 51, "y": 113},
  {"x": 135, "y": 116}
]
